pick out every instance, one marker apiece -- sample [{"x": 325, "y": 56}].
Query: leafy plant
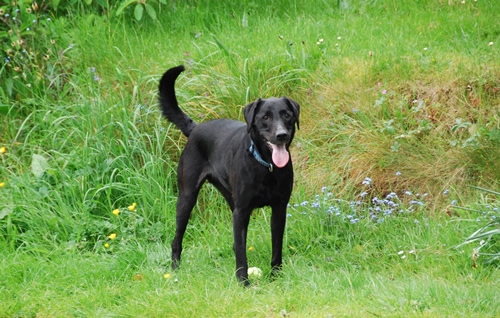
[
  {"x": 70, "y": 5},
  {"x": 486, "y": 235},
  {"x": 31, "y": 49},
  {"x": 139, "y": 7}
]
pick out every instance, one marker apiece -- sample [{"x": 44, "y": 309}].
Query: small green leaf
[
  {"x": 482, "y": 235},
  {"x": 55, "y": 3},
  {"x": 151, "y": 11},
  {"x": 221, "y": 46},
  {"x": 4, "y": 212},
  {"x": 485, "y": 190},
  {"x": 123, "y": 6},
  {"x": 138, "y": 12},
  {"x": 244, "y": 20},
  {"x": 10, "y": 86},
  {"x": 39, "y": 165}
]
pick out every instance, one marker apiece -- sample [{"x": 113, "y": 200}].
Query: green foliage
[
  {"x": 79, "y": 6},
  {"x": 487, "y": 235},
  {"x": 139, "y": 7},
  {"x": 30, "y": 45}
]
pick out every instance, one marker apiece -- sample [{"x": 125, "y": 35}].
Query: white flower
[{"x": 254, "y": 272}]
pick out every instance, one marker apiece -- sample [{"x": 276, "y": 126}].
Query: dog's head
[{"x": 272, "y": 121}]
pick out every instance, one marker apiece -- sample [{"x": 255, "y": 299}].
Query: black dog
[{"x": 248, "y": 163}]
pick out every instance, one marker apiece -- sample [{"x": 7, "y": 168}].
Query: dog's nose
[{"x": 281, "y": 135}]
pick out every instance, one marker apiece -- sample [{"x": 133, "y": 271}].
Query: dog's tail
[{"x": 168, "y": 101}]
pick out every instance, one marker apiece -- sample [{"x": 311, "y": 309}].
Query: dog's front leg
[
  {"x": 278, "y": 221},
  {"x": 241, "y": 218}
]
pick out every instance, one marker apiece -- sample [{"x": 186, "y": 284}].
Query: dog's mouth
[{"x": 280, "y": 155}]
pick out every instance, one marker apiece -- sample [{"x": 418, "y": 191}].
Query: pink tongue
[{"x": 280, "y": 155}]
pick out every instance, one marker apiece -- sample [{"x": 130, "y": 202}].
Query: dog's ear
[
  {"x": 295, "y": 108},
  {"x": 250, "y": 111}
]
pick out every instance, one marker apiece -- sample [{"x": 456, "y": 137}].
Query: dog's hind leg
[
  {"x": 184, "y": 207},
  {"x": 190, "y": 182}
]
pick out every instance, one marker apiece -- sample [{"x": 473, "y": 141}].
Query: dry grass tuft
[{"x": 432, "y": 132}]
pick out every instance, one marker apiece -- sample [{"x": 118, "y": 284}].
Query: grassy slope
[{"x": 107, "y": 147}]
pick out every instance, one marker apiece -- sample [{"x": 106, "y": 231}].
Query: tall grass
[{"x": 399, "y": 115}]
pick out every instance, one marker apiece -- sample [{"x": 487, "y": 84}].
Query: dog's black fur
[{"x": 220, "y": 151}]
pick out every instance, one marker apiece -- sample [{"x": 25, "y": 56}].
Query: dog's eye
[
  {"x": 286, "y": 115},
  {"x": 266, "y": 117}
]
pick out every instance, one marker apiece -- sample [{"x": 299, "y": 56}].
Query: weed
[
  {"x": 487, "y": 235},
  {"x": 33, "y": 58}
]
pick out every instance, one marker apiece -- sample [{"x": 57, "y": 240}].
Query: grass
[{"x": 404, "y": 94}]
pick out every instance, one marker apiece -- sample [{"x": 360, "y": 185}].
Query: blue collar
[{"x": 257, "y": 156}]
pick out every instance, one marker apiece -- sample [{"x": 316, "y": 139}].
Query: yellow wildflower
[
  {"x": 116, "y": 211},
  {"x": 132, "y": 207},
  {"x": 3, "y": 150},
  {"x": 112, "y": 236},
  {"x": 167, "y": 276},
  {"x": 251, "y": 248},
  {"x": 2, "y": 184},
  {"x": 106, "y": 245}
]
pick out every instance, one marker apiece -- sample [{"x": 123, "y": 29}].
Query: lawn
[{"x": 396, "y": 161}]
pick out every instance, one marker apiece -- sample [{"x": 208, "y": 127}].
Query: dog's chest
[{"x": 270, "y": 190}]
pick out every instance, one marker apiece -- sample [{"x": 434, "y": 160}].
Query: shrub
[{"x": 31, "y": 49}]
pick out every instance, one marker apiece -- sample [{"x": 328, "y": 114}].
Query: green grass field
[{"x": 397, "y": 161}]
